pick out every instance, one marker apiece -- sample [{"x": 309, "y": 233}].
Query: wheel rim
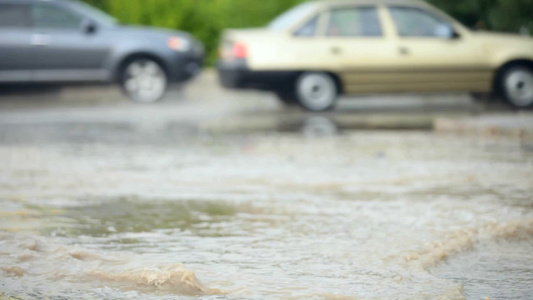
[
  {"x": 519, "y": 87},
  {"x": 317, "y": 91},
  {"x": 145, "y": 81}
]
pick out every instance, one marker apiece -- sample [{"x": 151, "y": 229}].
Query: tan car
[{"x": 319, "y": 50}]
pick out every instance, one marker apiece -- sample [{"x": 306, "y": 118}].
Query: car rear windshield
[{"x": 291, "y": 17}]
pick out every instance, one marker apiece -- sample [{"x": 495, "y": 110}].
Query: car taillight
[{"x": 239, "y": 50}]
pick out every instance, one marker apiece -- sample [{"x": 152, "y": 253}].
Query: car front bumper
[{"x": 186, "y": 67}]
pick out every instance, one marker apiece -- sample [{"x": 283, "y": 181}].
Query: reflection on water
[
  {"x": 122, "y": 216},
  {"x": 358, "y": 216},
  {"x": 319, "y": 126}
]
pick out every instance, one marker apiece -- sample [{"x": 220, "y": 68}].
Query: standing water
[{"x": 404, "y": 215}]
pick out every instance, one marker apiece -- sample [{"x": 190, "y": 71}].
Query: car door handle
[
  {"x": 404, "y": 51},
  {"x": 336, "y": 50},
  {"x": 40, "y": 40}
]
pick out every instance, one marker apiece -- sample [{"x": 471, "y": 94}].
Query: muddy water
[{"x": 377, "y": 215}]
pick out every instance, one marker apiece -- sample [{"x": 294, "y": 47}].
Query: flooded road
[
  {"x": 355, "y": 215},
  {"x": 216, "y": 195}
]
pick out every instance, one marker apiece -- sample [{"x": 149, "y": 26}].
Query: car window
[
  {"x": 354, "y": 21},
  {"x": 54, "y": 17},
  {"x": 14, "y": 16},
  {"x": 415, "y": 22},
  {"x": 291, "y": 17},
  {"x": 93, "y": 13},
  {"x": 309, "y": 29}
]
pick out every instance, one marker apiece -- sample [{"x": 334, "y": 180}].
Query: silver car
[{"x": 61, "y": 41}]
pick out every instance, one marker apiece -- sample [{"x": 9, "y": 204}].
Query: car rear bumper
[{"x": 235, "y": 74}]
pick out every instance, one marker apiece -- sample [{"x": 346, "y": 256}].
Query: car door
[
  {"x": 62, "y": 49},
  {"x": 361, "y": 47},
  {"x": 15, "y": 34},
  {"x": 435, "y": 55}
]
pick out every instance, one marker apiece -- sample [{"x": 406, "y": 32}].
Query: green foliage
[
  {"x": 500, "y": 15},
  {"x": 205, "y": 19}
]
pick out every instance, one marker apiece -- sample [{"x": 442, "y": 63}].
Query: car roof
[
  {"x": 56, "y": 1},
  {"x": 370, "y": 2},
  {"x": 35, "y": 1}
]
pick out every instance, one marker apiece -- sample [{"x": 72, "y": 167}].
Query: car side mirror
[
  {"x": 89, "y": 27},
  {"x": 446, "y": 31}
]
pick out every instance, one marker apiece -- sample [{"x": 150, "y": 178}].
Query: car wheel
[
  {"x": 287, "y": 98},
  {"x": 144, "y": 80},
  {"x": 316, "y": 91},
  {"x": 517, "y": 86}
]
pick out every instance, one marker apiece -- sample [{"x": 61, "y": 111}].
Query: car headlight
[{"x": 177, "y": 43}]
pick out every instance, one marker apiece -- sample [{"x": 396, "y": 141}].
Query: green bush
[
  {"x": 205, "y": 19},
  {"x": 499, "y": 15}
]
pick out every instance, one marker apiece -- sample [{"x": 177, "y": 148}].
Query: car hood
[
  {"x": 153, "y": 36},
  {"x": 144, "y": 31},
  {"x": 502, "y": 37}
]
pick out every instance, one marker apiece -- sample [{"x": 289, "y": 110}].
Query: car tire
[
  {"x": 316, "y": 91},
  {"x": 144, "y": 80},
  {"x": 516, "y": 84}
]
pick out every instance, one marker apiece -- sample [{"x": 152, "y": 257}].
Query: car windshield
[
  {"x": 95, "y": 14},
  {"x": 291, "y": 17}
]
